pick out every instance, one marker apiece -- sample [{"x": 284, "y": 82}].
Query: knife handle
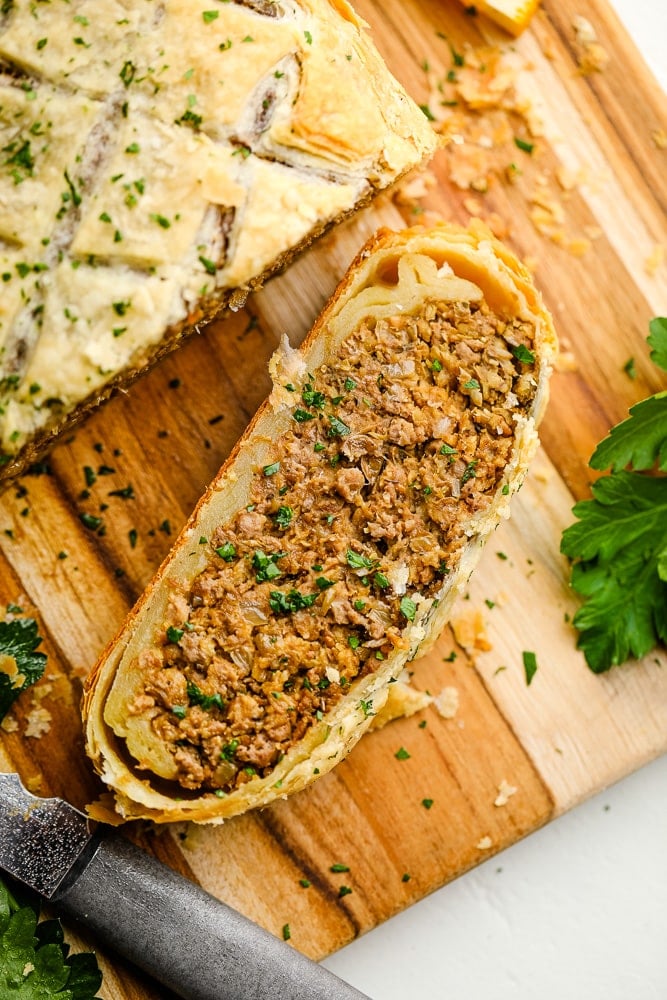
[{"x": 191, "y": 942}]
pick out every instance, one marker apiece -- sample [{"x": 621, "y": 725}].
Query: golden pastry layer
[
  {"x": 157, "y": 161},
  {"x": 331, "y": 545}
]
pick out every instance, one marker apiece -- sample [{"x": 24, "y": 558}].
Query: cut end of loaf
[{"x": 331, "y": 546}]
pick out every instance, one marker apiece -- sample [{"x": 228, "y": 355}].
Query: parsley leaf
[
  {"x": 21, "y": 665},
  {"x": 620, "y": 541},
  {"x": 36, "y": 964},
  {"x": 658, "y": 341},
  {"x": 638, "y": 441},
  {"x": 641, "y": 440}
]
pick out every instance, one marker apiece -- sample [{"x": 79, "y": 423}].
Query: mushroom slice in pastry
[{"x": 332, "y": 543}]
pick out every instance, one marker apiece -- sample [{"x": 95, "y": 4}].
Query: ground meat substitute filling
[{"x": 365, "y": 502}]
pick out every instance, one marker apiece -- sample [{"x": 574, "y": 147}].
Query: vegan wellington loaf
[
  {"x": 157, "y": 161},
  {"x": 331, "y": 545}
]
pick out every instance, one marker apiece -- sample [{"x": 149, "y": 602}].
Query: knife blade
[{"x": 171, "y": 928}]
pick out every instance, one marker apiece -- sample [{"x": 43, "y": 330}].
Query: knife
[{"x": 171, "y": 928}]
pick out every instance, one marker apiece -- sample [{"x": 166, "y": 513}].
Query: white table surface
[{"x": 576, "y": 911}]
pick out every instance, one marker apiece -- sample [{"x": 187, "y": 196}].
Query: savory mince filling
[{"x": 360, "y": 514}]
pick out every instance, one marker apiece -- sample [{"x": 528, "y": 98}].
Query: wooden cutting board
[{"x": 554, "y": 743}]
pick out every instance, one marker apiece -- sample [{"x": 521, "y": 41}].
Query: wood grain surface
[{"x": 567, "y": 735}]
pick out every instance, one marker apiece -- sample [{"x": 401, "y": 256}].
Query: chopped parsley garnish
[
  {"x": 125, "y": 493},
  {"x": 210, "y": 15},
  {"x": 283, "y": 517},
  {"x": 287, "y": 934},
  {"x": 22, "y": 665},
  {"x": 293, "y": 600},
  {"x": 228, "y": 752},
  {"x": 523, "y": 354},
  {"x": 127, "y": 72},
  {"x": 357, "y": 561},
  {"x": 619, "y": 543},
  {"x": 408, "y": 608},
  {"x": 529, "y": 665},
  {"x": 522, "y": 144},
  {"x": 206, "y": 701},
  {"x": 189, "y": 117},
  {"x": 427, "y": 803},
  {"x": 402, "y": 754},
  {"x": 208, "y": 265},
  {"x": 338, "y": 867},
  {"x": 472, "y": 383},
  {"x": 313, "y": 398},
  {"x": 301, "y": 416},
  {"x": 367, "y": 708},
  {"x": 226, "y": 551},
  {"x": 270, "y": 470},
  {"x": 323, "y": 583},
  {"x": 344, "y": 890},
  {"x": 91, "y": 521},
  {"x": 265, "y": 566},
  {"x": 469, "y": 472},
  {"x": 337, "y": 428},
  {"x": 174, "y": 634},
  {"x": 629, "y": 368},
  {"x": 381, "y": 581}
]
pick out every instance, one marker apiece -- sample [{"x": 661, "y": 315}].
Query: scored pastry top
[{"x": 157, "y": 156}]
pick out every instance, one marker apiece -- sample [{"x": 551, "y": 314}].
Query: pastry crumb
[
  {"x": 447, "y": 702},
  {"x": 470, "y": 631},
  {"x": 505, "y": 792},
  {"x": 9, "y": 724},
  {"x": 654, "y": 259},
  {"x": 39, "y": 722},
  {"x": 403, "y": 700},
  {"x": 484, "y": 844}
]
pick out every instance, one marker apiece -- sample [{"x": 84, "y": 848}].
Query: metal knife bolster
[{"x": 41, "y": 840}]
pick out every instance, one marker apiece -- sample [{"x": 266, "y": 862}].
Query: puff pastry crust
[
  {"x": 157, "y": 161},
  {"x": 331, "y": 545}
]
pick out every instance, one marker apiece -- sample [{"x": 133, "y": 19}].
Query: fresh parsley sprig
[
  {"x": 619, "y": 543},
  {"x": 21, "y": 665},
  {"x": 35, "y": 960}
]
